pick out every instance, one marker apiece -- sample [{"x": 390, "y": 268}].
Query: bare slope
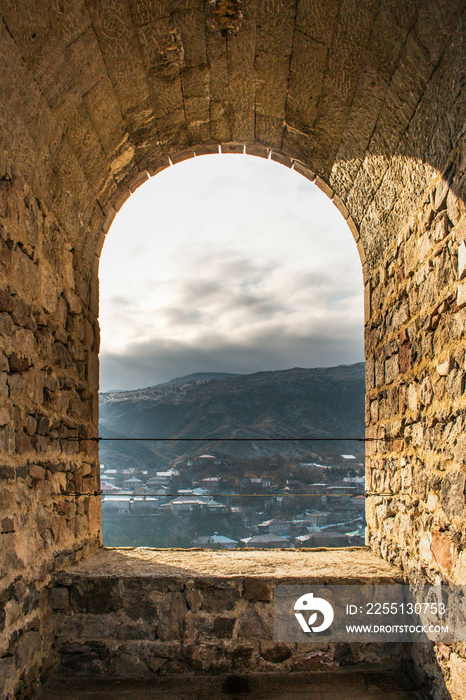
[{"x": 295, "y": 403}]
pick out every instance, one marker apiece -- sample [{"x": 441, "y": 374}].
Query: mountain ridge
[{"x": 296, "y": 403}]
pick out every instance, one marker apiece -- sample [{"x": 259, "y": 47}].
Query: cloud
[
  {"x": 267, "y": 348},
  {"x": 174, "y": 316},
  {"x": 235, "y": 269}
]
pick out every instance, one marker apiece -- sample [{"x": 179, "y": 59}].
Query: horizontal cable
[
  {"x": 78, "y": 438},
  {"x": 217, "y": 495},
  {"x": 228, "y": 495}
]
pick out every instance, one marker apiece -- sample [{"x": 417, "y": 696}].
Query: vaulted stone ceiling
[{"x": 365, "y": 93}]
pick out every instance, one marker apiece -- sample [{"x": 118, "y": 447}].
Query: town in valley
[{"x": 227, "y": 502}]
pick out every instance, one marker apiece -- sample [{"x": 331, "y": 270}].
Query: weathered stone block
[
  {"x": 257, "y": 589},
  {"x": 452, "y": 494},
  {"x": 219, "y": 599},
  {"x": 172, "y": 617},
  {"x": 18, "y": 363},
  {"x": 461, "y": 295},
  {"x": 391, "y": 369},
  {"x": 36, "y": 472},
  {"x": 8, "y": 671},
  {"x": 439, "y": 195},
  {"x": 277, "y": 653},
  {"x": 462, "y": 260},
  {"x": 457, "y": 683},
  {"x": 441, "y": 547},
  {"x": 453, "y": 207},
  {"x": 7, "y": 525},
  {"x": 27, "y": 647},
  {"x": 444, "y": 368},
  {"x": 100, "y": 597},
  {"x": 223, "y": 627},
  {"x": 256, "y": 621},
  {"x": 193, "y": 596}
]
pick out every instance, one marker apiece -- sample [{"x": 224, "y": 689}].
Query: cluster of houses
[{"x": 332, "y": 514}]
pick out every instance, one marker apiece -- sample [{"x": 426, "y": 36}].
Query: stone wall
[
  {"x": 368, "y": 98},
  {"x": 415, "y": 380},
  {"x": 48, "y": 378}
]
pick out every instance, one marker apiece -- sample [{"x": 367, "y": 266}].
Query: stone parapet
[{"x": 140, "y": 612}]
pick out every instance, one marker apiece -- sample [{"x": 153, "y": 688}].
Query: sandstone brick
[
  {"x": 257, "y": 589},
  {"x": 6, "y": 302},
  {"x": 441, "y": 548},
  {"x": 453, "y": 207},
  {"x": 36, "y": 472},
  {"x": 256, "y": 621},
  {"x": 391, "y": 369},
  {"x": 17, "y": 363},
  {"x": 404, "y": 357},
  {"x": 367, "y": 302},
  {"x": 7, "y": 668},
  {"x": 223, "y": 627},
  {"x": 452, "y": 494},
  {"x": 439, "y": 195},
  {"x": 219, "y": 599},
  {"x": 23, "y": 443},
  {"x": 457, "y": 683},
  {"x": 444, "y": 368},
  {"x": 425, "y": 547},
  {"x": 7, "y": 525},
  {"x": 171, "y": 615},
  {"x": 425, "y": 391},
  {"x": 59, "y": 598},
  {"x": 303, "y": 170}
]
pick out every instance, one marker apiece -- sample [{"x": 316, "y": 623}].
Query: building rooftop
[{"x": 215, "y": 539}]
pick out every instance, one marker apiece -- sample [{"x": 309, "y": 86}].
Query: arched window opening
[{"x": 232, "y": 381}]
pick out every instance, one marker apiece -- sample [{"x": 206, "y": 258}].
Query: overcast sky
[{"x": 227, "y": 264}]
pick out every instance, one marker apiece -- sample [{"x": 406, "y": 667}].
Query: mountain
[
  {"x": 200, "y": 377},
  {"x": 295, "y": 403}
]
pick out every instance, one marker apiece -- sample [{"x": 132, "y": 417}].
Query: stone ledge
[
  {"x": 347, "y": 565},
  {"x": 145, "y": 613}
]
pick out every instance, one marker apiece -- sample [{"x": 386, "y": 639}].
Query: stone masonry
[
  {"x": 45, "y": 381},
  {"x": 142, "y": 613},
  {"x": 366, "y": 99}
]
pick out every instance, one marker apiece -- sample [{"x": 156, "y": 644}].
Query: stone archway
[{"x": 95, "y": 96}]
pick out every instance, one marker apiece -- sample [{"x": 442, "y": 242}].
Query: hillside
[
  {"x": 200, "y": 377},
  {"x": 295, "y": 403}
]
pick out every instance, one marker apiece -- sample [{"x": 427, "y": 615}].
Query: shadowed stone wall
[
  {"x": 47, "y": 372},
  {"x": 96, "y": 95}
]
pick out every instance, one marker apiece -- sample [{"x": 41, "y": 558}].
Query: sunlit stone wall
[
  {"x": 415, "y": 403},
  {"x": 415, "y": 381}
]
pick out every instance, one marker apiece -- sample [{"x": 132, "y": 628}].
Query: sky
[{"x": 227, "y": 263}]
